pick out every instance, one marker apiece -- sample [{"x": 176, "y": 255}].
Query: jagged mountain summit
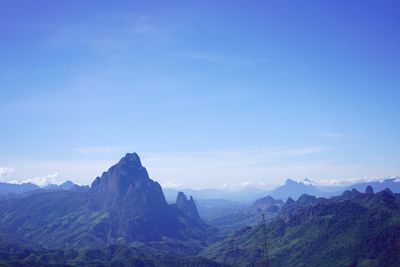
[
  {"x": 294, "y": 190},
  {"x": 188, "y": 207},
  {"x": 122, "y": 206}
]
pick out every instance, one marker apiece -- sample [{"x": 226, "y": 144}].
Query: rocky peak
[
  {"x": 290, "y": 201},
  {"x": 355, "y": 191},
  {"x": 290, "y": 182},
  {"x": 288, "y": 204},
  {"x": 306, "y": 199},
  {"x": 127, "y": 173},
  {"x": 349, "y": 194},
  {"x": 267, "y": 201},
  {"x": 127, "y": 186},
  {"x": 131, "y": 159},
  {"x": 187, "y": 206},
  {"x": 181, "y": 199},
  {"x": 369, "y": 190},
  {"x": 266, "y": 204}
]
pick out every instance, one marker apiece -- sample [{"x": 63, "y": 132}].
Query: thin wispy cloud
[
  {"x": 220, "y": 58},
  {"x": 143, "y": 25},
  {"x": 247, "y": 184},
  {"x": 203, "y": 56},
  {"x": 262, "y": 167},
  {"x": 82, "y": 171},
  {"x": 232, "y": 169},
  {"x": 350, "y": 181},
  {"x": 172, "y": 185},
  {"x": 255, "y": 61},
  {"x": 110, "y": 38},
  {"x": 333, "y": 135}
]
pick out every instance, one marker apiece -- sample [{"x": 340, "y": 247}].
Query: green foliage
[
  {"x": 364, "y": 231},
  {"x": 356, "y": 230}
]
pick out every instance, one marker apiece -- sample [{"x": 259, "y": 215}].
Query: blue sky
[{"x": 209, "y": 93}]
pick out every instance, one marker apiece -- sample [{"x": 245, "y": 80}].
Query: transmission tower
[{"x": 265, "y": 258}]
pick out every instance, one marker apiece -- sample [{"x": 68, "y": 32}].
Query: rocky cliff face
[
  {"x": 122, "y": 206},
  {"x": 188, "y": 207},
  {"x": 138, "y": 209},
  {"x": 369, "y": 190},
  {"x": 127, "y": 185}
]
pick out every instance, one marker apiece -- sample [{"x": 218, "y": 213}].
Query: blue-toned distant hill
[
  {"x": 392, "y": 183},
  {"x": 293, "y": 189},
  {"x": 67, "y": 185},
  {"x": 8, "y": 190},
  {"x": 246, "y": 195},
  {"x": 14, "y": 189}
]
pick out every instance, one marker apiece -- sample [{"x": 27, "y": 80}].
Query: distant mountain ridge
[
  {"x": 290, "y": 188},
  {"x": 10, "y": 190},
  {"x": 391, "y": 183},
  {"x": 294, "y": 190},
  {"x": 353, "y": 229},
  {"x": 123, "y": 219},
  {"x": 122, "y": 206}
]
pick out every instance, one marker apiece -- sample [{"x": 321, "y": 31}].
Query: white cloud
[
  {"x": 247, "y": 184},
  {"x": 231, "y": 167},
  {"x": 350, "y": 181},
  {"x": 44, "y": 180},
  {"x": 79, "y": 171},
  {"x": 212, "y": 169},
  {"x": 257, "y": 167},
  {"x": 4, "y": 171}
]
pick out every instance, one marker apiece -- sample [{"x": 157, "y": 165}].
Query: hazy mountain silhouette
[
  {"x": 15, "y": 189},
  {"x": 392, "y": 183},
  {"x": 294, "y": 190}
]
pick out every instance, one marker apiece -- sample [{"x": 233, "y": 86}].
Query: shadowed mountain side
[{"x": 123, "y": 206}]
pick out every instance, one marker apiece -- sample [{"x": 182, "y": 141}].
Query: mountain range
[
  {"x": 122, "y": 206},
  {"x": 124, "y": 219},
  {"x": 8, "y": 190},
  {"x": 354, "y": 229},
  {"x": 290, "y": 188}
]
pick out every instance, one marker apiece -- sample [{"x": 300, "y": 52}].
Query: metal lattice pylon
[{"x": 265, "y": 257}]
